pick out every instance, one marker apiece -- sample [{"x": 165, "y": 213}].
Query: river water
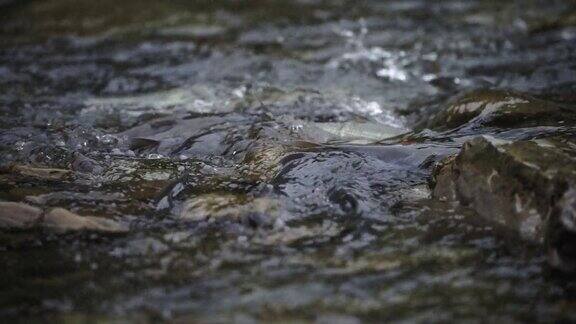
[{"x": 250, "y": 147}]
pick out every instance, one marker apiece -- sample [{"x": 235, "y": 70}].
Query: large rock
[{"x": 527, "y": 186}]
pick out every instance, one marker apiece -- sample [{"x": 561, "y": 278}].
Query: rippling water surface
[{"x": 255, "y": 150}]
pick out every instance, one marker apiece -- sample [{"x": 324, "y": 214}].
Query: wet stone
[
  {"x": 42, "y": 173},
  {"x": 524, "y": 186},
  {"x": 501, "y": 108},
  {"x": 84, "y": 164},
  {"x": 18, "y": 215},
  {"x": 60, "y": 220},
  {"x": 250, "y": 211}
]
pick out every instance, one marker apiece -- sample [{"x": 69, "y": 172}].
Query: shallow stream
[{"x": 257, "y": 152}]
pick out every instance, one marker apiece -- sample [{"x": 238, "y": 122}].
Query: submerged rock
[
  {"x": 61, "y": 220},
  {"x": 500, "y": 108},
  {"x": 42, "y": 173},
  {"x": 348, "y": 132},
  {"x": 18, "y": 216},
  {"x": 141, "y": 247},
  {"x": 250, "y": 211},
  {"x": 527, "y": 186},
  {"x": 21, "y": 216}
]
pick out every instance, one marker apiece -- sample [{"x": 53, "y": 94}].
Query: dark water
[{"x": 246, "y": 144}]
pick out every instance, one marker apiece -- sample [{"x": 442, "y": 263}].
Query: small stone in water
[
  {"x": 41, "y": 173},
  {"x": 61, "y": 220},
  {"x": 18, "y": 216}
]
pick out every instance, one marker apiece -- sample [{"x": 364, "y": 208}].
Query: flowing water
[{"x": 252, "y": 148}]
